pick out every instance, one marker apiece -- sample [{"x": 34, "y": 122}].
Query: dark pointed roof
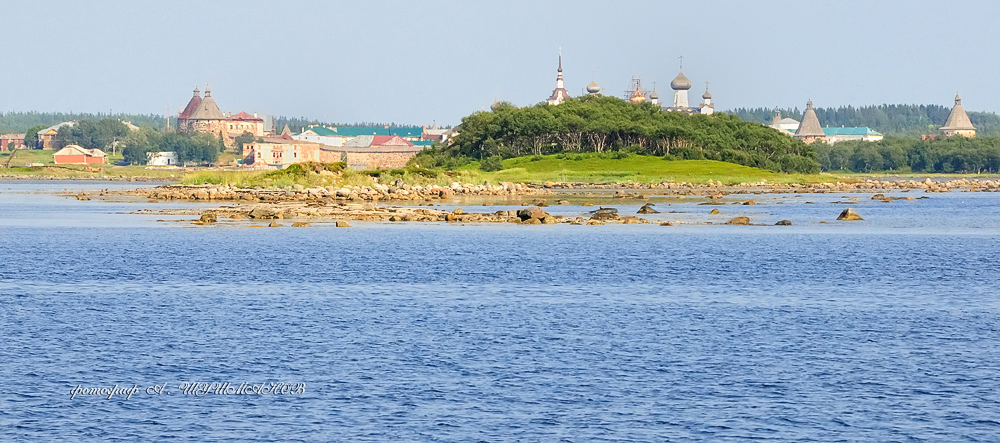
[
  {"x": 192, "y": 105},
  {"x": 207, "y": 109},
  {"x": 810, "y": 126},
  {"x": 958, "y": 119}
]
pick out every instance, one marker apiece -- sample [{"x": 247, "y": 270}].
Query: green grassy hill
[{"x": 634, "y": 168}]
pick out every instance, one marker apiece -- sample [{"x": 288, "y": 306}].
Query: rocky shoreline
[
  {"x": 405, "y": 192},
  {"x": 378, "y": 192},
  {"x": 273, "y": 213},
  {"x": 632, "y": 190}
]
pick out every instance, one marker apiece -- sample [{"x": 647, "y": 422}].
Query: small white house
[{"x": 164, "y": 158}]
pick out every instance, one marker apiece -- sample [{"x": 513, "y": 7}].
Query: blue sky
[{"x": 417, "y": 62}]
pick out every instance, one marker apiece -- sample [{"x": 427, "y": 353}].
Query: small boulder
[
  {"x": 533, "y": 212},
  {"x": 749, "y": 202},
  {"x": 741, "y": 220},
  {"x": 604, "y": 214},
  {"x": 208, "y": 217},
  {"x": 878, "y": 197},
  {"x": 274, "y": 224},
  {"x": 666, "y": 224},
  {"x": 849, "y": 215},
  {"x": 647, "y": 209},
  {"x": 784, "y": 223},
  {"x": 714, "y": 211},
  {"x": 458, "y": 211},
  {"x": 343, "y": 224},
  {"x": 300, "y": 225},
  {"x": 261, "y": 213}
]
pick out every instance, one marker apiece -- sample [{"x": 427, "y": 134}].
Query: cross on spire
[{"x": 681, "y": 58}]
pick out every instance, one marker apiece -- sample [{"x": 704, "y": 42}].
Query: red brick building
[{"x": 73, "y": 154}]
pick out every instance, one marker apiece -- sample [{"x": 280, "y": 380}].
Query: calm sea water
[{"x": 881, "y": 330}]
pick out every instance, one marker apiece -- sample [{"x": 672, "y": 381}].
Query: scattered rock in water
[
  {"x": 878, "y": 197},
  {"x": 532, "y": 213},
  {"x": 549, "y": 220},
  {"x": 458, "y": 211},
  {"x": 849, "y": 215},
  {"x": 260, "y": 213},
  {"x": 300, "y": 225},
  {"x": 632, "y": 220},
  {"x": 741, "y": 220},
  {"x": 604, "y": 214},
  {"x": 208, "y": 217},
  {"x": 666, "y": 224},
  {"x": 533, "y": 221},
  {"x": 716, "y": 196},
  {"x": 586, "y": 204},
  {"x": 82, "y": 196},
  {"x": 784, "y": 223},
  {"x": 647, "y": 209},
  {"x": 594, "y": 222},
  {"x": 749, "y": 203},
  {"x": 714, "y": 211},
  {"x": 563, "y": 202},
  {"x": 274, "y": 224},
  {"x": 343, "y": 224}
]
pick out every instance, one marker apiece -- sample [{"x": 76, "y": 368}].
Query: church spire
[{"x": 560, "y": 94}]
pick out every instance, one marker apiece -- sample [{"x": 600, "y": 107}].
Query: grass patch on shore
[
  {"x": 592, "y": 168},
  {"x": 320, "y": 174},
  {"x": 551, "y": 168}
]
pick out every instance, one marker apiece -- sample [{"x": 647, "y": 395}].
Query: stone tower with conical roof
[
  {"x": 810, "y": 130},
  {"x": 560, "y": 94},
  {"x": 958, "y": 121},
  {"x": 206, "y": 117},
  {"x": 182, "y": 118}
]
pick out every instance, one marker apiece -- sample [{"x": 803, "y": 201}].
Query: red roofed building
[{"x": 243, "y": 122}]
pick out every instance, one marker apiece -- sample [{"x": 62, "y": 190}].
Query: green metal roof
[
  {"x": 321, "y": 130},
  {"x": 424, "y": 143},
  {"x": 407, "y": 131},
  {"x": 354, "y": 132},
  {"x": 850, "y": 131}
]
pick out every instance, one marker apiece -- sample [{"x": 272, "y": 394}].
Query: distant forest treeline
[
  {"x": 905, "y": 120},
  {"x": 906, "y": 154},
  {"x": 19, "y": 122}
]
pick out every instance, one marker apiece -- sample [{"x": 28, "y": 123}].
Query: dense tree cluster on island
[{"x": 608, "y": 124}]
